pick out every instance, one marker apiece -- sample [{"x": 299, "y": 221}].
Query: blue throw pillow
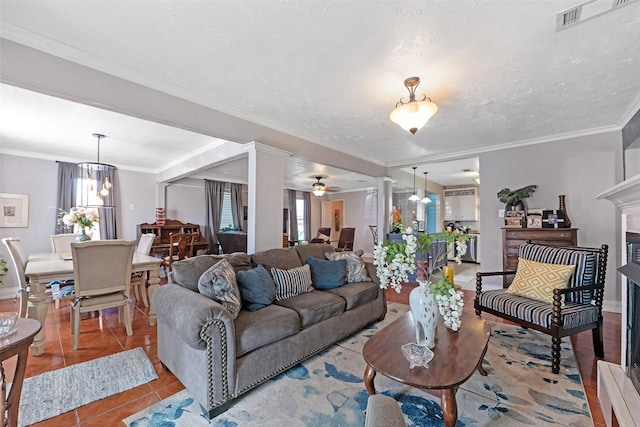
[
  {"x": 256, "y": 288},
  {"x": 327, "y": 274}
]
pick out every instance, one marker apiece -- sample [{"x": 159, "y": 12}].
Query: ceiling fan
[{"x": 318, "y": 188}]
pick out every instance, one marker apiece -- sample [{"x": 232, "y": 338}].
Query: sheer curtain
[
  {"x": 67, "y": 182},
  {"x": 306, "y": 198},
  {"x": 293, "y": 216},
  {"x": 214, "y": 196},
  {"x": 236, "y": 206},
  {"x": 107, "y": 224}
]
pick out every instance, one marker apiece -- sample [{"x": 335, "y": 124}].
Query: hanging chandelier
[
  {"x": 426, "y": 198},
  {"x": 412, "y": 115},
  {"x": 414, "y": 197},
  {"x": 95, "y": 183}
]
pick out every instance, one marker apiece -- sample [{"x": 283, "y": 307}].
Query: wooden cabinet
[
  {"x": 160, "y": 244},
  {"x": 513, "y": 238},
  {"x": 461, "y": 205}
]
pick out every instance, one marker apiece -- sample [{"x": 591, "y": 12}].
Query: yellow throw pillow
[{"x": 537, "y": 280}]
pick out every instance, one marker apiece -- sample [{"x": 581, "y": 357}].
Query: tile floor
[{"x": 104, "y": 337}]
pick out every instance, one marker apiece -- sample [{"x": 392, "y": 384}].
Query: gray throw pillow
[
  {"x": 187, "y": 272},
  {"x": 327, "y": 274},
  {"x": 292, "y": 282},
  {"x": 257, "y": 288},
  {"x": 356, "y": 270},
  {"x": 219, "y": 284}
]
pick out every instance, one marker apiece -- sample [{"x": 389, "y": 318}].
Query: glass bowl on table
[
  {"x": 8, "y": 323},
  {"x": 417, "y": 355}
]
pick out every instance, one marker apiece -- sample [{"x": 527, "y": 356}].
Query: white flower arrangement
[
  {"x": 83, "y": 217},
  {"x": 394, "y": 261}
]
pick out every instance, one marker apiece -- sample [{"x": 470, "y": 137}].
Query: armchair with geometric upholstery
[{"x": 559, "y": 311}]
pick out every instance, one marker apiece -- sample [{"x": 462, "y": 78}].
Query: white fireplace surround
[{"x": 616, "y": 393}]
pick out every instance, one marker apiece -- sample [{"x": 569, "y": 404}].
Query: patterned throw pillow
[
  {"x": 356, "y": 270},
  {"x": 292, "y": 282},
  {"x": 219, "y": 283},
  {"x": 537, "y": 280}
]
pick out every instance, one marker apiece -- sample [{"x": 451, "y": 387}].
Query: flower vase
[
  {"x": 81, "y": 235},
  {"x": 563, "y": 209},
  {"x": 424, "y": 310}
]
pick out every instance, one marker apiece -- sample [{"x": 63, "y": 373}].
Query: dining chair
[
  {"x": 180, "y": 247},
  {"x": 102, "y": 274},
  {"x": 18, "y": 261},
  {"x": 322, "y": 236},
  {"x": 139, "y": 280},
  {"x": 345, "y": 241},
  {"x": 61, "y": 243}
]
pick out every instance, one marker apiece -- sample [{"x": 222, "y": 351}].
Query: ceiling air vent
[{"x": 587, "y": 10}]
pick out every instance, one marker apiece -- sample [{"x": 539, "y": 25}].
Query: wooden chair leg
[
  {"x": 76, "y": 326},
  {"x": 127, "y": 319},
  {"x": 555, "y": 354},
  {"x": 598, "y": 345}
]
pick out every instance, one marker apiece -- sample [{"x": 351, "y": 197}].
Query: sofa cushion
[
  {"x": 537, "y": 280},
  {"x": 240, "y": 261},
  {"x": 187, "y": 272},
  {"x": 356, "y": 294},
  {"x": 356, "y": 269},
  {"x": 314, "y": 307},
  {"x": 255, "y": 329},
  {"x": 290, "y": 283},
  {"x": 327, "y": 274},
  {"x": 282, "y": 258},
  {"x": 316, "y": 250},
  {"x": 219, "y": 284},
  {"x": 257, "y": 288}
]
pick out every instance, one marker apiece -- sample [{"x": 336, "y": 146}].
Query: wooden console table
[
  {"x": 513, "y": 238},
  {"x": 16, "y": 344}
]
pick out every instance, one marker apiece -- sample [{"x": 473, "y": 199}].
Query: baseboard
[{"x": 612, "y": 306}]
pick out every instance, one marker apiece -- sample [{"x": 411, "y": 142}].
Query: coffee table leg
[
  {"x": 449, "y": 407},
  {"x": 369, "y": 375},
  {"x": 481, "y": 369}
]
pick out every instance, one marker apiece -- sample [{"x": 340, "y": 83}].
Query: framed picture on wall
[{"x": 14, "y": 210}]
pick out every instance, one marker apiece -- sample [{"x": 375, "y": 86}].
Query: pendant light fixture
[
  {"x": 412, "y": 115},
  {"x": 414, "y": 197},
  {"x": 318, "y": 189},
  {"x": 426, "y": 198},
  {"x": 96, "y": 182}
]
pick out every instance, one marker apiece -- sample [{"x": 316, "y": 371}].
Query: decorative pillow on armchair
[
  {"x": 537, "y": 280},
  {"x": 292, "y": 282},
  {"x": 327, "y": 274},
  {"x": 356, "y": 270},
  {"x": 219, "y": 283},
  {"x": 257, "y": 288}
]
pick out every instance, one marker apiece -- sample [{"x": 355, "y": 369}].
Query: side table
[{"x": 16, "y": 344}]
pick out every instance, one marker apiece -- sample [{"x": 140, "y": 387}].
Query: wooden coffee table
[{"x": 456, "y": 356}]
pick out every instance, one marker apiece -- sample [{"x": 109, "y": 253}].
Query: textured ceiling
[{"x": 330, "y": 72}]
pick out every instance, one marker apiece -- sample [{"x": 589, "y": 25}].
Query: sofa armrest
[
  {"x": 371, "y": 271},
  {"x": 479, "y": 277},
  {"x": 192, "y": 315}
]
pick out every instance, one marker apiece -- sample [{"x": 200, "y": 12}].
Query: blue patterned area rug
[
  {"x": 328, "y": 390},
  {"x": 55, "y": 392}
]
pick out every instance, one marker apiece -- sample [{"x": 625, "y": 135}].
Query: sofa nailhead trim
[{"x": 223, "y": 356}]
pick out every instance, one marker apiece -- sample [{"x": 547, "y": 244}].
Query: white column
[
  {"x": 266, "y": 195},
  {"x": 385, "y": 193}
]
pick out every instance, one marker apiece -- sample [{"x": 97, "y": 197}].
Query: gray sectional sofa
[{"x": 219, "y": 358}]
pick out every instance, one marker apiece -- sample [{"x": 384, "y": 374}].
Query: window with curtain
[
  {"x": 300, "y": 219},
  {"x": 226, "y": 219}
]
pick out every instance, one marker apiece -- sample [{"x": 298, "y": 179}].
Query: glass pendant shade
[
  {"x": 413, "y": 115},
  {"x": 414, "y": 197},
  {"x": 426, "y": 198},
  {"x": 318, "y": 192},
  {"x": 318, "y": 189}
]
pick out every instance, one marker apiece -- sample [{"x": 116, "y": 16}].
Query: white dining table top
[{"x": 53, "y": 263}]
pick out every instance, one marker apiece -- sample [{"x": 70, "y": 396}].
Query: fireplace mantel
[{"x": 618, "y": 398}]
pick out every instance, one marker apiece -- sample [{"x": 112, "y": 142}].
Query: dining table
[{"x": 46, "y": 267}]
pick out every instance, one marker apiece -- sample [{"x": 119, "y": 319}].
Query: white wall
[
  {"x": 140, "y": 190},
  {"x": 186, "y": 203},
  {"x": 360, "y": 211},
  {"x": 579, "y": 168}
]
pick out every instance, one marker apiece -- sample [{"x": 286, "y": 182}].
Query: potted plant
[{"x": 513, "y": 199}]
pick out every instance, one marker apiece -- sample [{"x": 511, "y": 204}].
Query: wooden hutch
[{"x": 161, "y": 243}]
